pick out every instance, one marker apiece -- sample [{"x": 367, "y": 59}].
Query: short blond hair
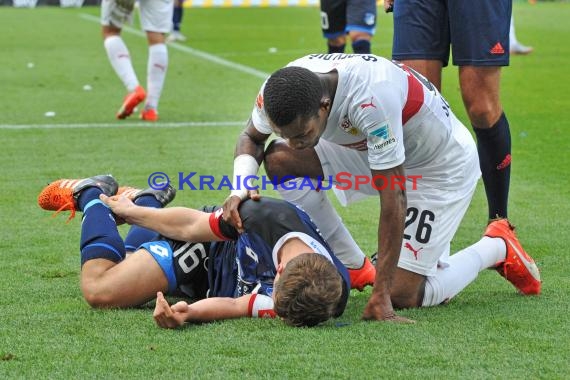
[{"x": 308, "y": 291}]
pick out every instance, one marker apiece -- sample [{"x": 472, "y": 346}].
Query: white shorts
[
  {"x": 435, "y": 205},
  {"x": 156, "y": 15}
]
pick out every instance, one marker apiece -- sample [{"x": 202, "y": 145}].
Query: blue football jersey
[{"x": 265, "y": 222}]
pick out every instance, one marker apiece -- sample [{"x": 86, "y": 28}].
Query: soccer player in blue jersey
[
  {"x": 478, "y": 31},
  {"x": 355, "y": 18},
  {"x": 279, "y": 265},
  {"x": 177, "y": 16}
]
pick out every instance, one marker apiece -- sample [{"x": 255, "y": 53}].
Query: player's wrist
[{"x": 245, "y": 169}]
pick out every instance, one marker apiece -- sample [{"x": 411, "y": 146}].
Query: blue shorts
[
  {"x": 198, "y": 270},
  {"x": 184, "y": 264},
  {"x": 478, "y": 31},
  {"x": 339, "y": 17}
]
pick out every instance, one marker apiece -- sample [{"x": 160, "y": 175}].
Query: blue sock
[
  {"x": 177, "y": 17},
  {"x": 336, "y": 49},
  {"x": 361, "y": 47},
  {"x": 494, "y": 147},
  {"x": 100, "y": 238},
  {"x": 88, "y": 195},
  {"x": 138, "y": 235}
]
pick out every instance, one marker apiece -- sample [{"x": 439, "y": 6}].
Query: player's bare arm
[
  {"x": 248, "y": 156},
  {"x": 390, "y": 235},
  {"x": 179, "y": 223},
  {"x": 206, "y": 310}
]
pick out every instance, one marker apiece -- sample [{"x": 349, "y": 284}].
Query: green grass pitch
[{"x": 47, "y": 56}]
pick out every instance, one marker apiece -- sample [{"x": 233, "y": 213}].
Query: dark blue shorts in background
[
  {"x": 476, "y": 30},
  {"x": 338, "y": 17}
]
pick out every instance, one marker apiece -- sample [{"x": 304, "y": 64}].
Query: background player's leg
[
  {"x": 177, "y": 16},
  {"x": 429, "y": 68},
  {"x": 119, "y": 57},
  {"x": 480, "y": 92},
  {"x": 156, "y": 72}
]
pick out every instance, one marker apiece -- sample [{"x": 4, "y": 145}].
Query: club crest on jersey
[
  {"x": 369, "y": 18},
  {"x": 381, "y": 137},
  {"x": 347, "y": 126},
  {"x": 259, "y": 101}
]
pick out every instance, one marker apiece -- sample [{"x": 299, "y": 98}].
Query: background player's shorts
[
  {"x": 117, "y": 12},
  {"x": 435, "y": 207},
  {"x": 477, "y": 30},
  {"x": 156, "y": 15},
  {"x": 339, "y": 17}
]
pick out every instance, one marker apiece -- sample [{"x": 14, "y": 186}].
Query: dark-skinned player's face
[{"x": 303, "y": 133}]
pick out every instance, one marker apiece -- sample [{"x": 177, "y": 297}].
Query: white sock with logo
[
  {"x": 463, "y": 269},
  {"x": 120, "y": 59},
  {"x": 156, "y": 73},
  {"x": 317, "y": 205}
]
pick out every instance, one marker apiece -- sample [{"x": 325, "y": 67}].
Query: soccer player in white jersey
[
  {"x": 156, "y": 21},
  {"x": 375, "y": 127}
]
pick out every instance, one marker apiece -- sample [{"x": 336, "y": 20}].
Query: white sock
[
  {"x": 317, "y": 205},
  {"x": 156, "y": 73},
  {"x": 120, "y": 59},
  {"x": 512, "y": 36},
  {"x": 464, "y": 266}
]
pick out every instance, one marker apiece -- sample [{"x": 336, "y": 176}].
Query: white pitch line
[
  {"x": 125, "y": 125},
  {"x": 194, "y": 52}
]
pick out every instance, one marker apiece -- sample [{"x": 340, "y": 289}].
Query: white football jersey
[{"x": 385, "y": 108}]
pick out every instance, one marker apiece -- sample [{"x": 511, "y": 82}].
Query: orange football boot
[
  {"x": 62, "y": 194},
  {"x": 518, "y": 268},
  {"x": 132, "y": 100},
  {"x": 149, "y": 114},
  {"x": 360, "y": 278}
]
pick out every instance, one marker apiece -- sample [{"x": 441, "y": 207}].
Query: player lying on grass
[{"x": 279, "y": 265}]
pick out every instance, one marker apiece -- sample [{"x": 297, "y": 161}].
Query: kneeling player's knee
[
  {"x": 275, "y": 158},
  {"x": 407, "y": 290},
  {"x": 406, "y": 301}
]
